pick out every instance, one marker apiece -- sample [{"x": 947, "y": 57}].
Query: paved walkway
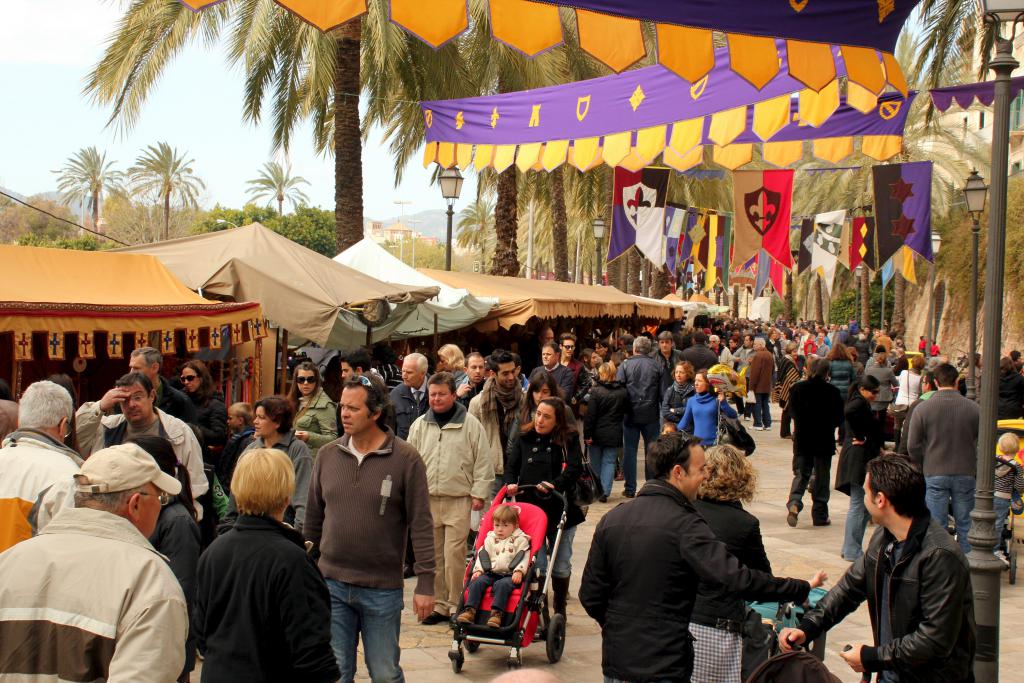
[{"x": 796, "y": 552}]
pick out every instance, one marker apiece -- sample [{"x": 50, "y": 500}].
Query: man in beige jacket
[
  {"x": 460, "y": 472},
  {"x": 90, "y": 599}
]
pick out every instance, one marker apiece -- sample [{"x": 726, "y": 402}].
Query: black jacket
[
  {"x": 212, "y": 420},
  {"x": 177, "y": 538},
  {"x": 652, "y": 553},
  {"x": 175, "y": 402},
  {"x": 608, "y": 405},
  {"x": 262, "y": 610},
  {"x": 673, "y": 402},
  {"x": 932, "y": 612},
  {"x": 642, "y": 378},
  {"x": 406, "y": 409},
  {"x": 700, "y": 356},
  {"x": 1011, "y": 396},
  {"x": 233, "y": 449},
  {"x": 861, "y": 425},
  {"x": 667, "y": 366},
  {"x": 533, "y": 458},
  {"x": 817, "y": 410}
]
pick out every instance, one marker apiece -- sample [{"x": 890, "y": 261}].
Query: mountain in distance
[{"x": 432, "y": 223}]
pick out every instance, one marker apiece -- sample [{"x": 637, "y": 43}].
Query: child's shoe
[
  {"x": 495, "y": 620},
  {"x": 467, "y": 615}
]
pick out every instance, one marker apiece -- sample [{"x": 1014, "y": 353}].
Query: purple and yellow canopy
[{"x": 610, "y": 31}]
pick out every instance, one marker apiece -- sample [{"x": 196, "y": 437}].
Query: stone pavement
[{"x": 796, "y": 552}]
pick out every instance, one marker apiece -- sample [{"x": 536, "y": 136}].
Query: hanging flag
[
  {"x": 216, "y": 337},
  {"x": 724, "y": 251},
  {"x": 23, "y": 346},
  {"x": 845, "y": 231},
  {"x": 888, "y": 270},
  {"x": 695, "y": 235},
  {"x": 675, "y": 220},
  {"x": 257, "y": 328},
  {"x": 86, "y": 345},
  {"x": 709, "y": 246},
  {"x": 638, "y": 217},
  {"x": 806, "y": 245},
  {"x": 777, "y": 274},
  {"x": 55, "y": 345},
  {"x": 762, "y": 272},
  {"x": 167, "y": 341},
  {"x": 862, "y": 243},
  {"x": 905, "y": 261},
  {"x": 762, "y": 202},
  {"x": 115, "y": 345},
  {"x": 141, "y": 339},
  {"x": 236, "y": 333},
  {"x": 827, "y": 245},
  {"x": 192, "y": 339},
  {"x": 903, "y": 208}
]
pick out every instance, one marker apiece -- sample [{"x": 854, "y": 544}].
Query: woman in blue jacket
[{"x": 702, "y": 411}]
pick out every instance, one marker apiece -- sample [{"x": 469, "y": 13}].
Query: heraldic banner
[
  {"x": 903, "y": 208},
  {"x": 638, "y": 215},
  {"x": 763, "y": 204}
]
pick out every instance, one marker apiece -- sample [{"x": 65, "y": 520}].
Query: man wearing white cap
[{"x": 89, "y": 599}]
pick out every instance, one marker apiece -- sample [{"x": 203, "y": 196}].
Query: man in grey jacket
[
  {"x": 642, "y": 377},
  {"x": 944, "y": 441}
]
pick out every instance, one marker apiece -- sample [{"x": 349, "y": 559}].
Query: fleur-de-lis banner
[
  {"x": 762, "y": 207},
  {"x": 639, "y": 213}
]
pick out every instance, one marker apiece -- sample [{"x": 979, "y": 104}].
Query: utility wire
[{"x": 81, "y": 227}]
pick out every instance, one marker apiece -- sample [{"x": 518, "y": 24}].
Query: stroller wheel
[
  {"x": 556, "y": 638},
  {"x": 472, "y": 646},
  {"x": 515, "y": 659},
  {"x": 458, "y": 659}
]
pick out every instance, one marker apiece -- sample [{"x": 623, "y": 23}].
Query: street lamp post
[
  {"x": 451, "y": 185},
  {"x": 930, "y": 338},
  {"x": 975, "y": 193},
  {"x": 986, "y": 569},
  {"x": 598, "y": 236}
]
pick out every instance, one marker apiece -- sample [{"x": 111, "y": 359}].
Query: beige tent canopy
[
  {"x": 304, "y": 292},
  {"x": 520, "y": 299}
]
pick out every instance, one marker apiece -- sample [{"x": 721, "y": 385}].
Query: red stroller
[{"x": 526, "y": 616}]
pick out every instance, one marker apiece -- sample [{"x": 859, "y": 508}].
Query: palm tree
[
  {"x": 161, "y": 172},
  {"x": 277, "y": 183},
  {"x": 476, "y": 228},
  {"x": 85, "y": 176}
]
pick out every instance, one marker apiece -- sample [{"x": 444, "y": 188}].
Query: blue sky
[{"x": 47, "y": 48}]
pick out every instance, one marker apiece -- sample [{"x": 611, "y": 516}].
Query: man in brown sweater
[{"x": 367, "y": 493}]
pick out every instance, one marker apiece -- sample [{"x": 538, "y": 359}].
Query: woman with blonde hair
[
  {"x": 607, "y": 405},
  {"x": 718, "y": 614},
  {"x": 451, "y": 359},
  {"x": 262, "y": 610}
]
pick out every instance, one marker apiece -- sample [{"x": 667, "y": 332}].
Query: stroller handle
[{"x": 535, "y": 487}]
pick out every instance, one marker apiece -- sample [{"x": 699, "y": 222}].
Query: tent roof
[
  {"x": 454, "y": 308},
  {"x": 60, "y": 290},
  {"x": 520, "y": 299},
  {"x": 305, "y": 292}
]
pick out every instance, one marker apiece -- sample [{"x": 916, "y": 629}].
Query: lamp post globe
[
  {"x": 599, "y": 228},
  {"x": 975, "y": 195},
  {"x": 450, "y": 181}
]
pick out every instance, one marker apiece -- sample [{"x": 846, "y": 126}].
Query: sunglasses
[
  {"x": 305, "y": 380},
  {"x": 568, "y": 347},
  {"x": 185, "y": 379},
  {"x": 164, "y": 498},
  {"x": 365, "y": 381}
]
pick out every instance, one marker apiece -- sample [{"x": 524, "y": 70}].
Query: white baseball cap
[{"x": 122, "y": 468}]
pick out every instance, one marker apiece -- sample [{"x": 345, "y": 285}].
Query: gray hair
[
  {"x": 791, "y": 347},
  {"x": 43, "y": 405},
  {"x": 759, "y": 343},
  {"x": 419, "y": 359},
  {"x": 149, "y": 354},
  {"x": 642, "y": 345},
  {"x": 108, "y": 502}
]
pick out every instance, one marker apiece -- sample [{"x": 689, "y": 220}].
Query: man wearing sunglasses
[
  {"x": 92, "y": 579},
  {"x": 148, "y": 361}
]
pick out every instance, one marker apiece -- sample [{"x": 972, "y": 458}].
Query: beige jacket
[
  {"x": 93, "y": 581},
  {"x": 90, "y": 423},
  {"x": 495, "y": 444},
  {"x": 502, "y": 552},
  {"x": 457, "y": 455}
]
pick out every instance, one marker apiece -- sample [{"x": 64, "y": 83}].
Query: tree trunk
[
  {"x": 816, "y": 298},
  {"x": 660, "y": 283},
  {"x": 790, "y": 310},
  {"x": 167, "y": 216},
  {"x": 865, "y": 298},
  {"x": 826, "y": 303},
  {"x": 96, "y": 211},
  {"x": 899, "y": 310},
  {"x": 348, "y": 143},
  {"x": 645, "y": 283},
  {"x": 736, "y": 301},
  {"x": 506, "y": 225},
  {"x": 280, "y": 206},
  {"x": 634, "y": 264},
  {"x": 559, "y": 227}
]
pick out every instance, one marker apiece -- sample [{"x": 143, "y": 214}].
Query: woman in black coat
[
  {"x": 1011, "y": 391},
  {"x": 211, "y": 414},
  {"x": 718, "y": 613},
  {"x": 607, "y": 405},
  {"x": 862, "y": 443},
  {"x": 548, "y": 456}
]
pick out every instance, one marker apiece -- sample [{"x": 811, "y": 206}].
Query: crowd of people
[{"x": 284, "y": 530}]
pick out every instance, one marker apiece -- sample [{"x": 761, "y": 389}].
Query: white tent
[{"x": 452, "y": 308}]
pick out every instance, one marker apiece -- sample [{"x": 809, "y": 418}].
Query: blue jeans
[
  {"x": 602, "y": 459},
  {"x": 1002, "y": 510},
  {"x": 856, "y": 523},
  {"x": 762, "y": 410},
  {"x": 502, "y": 585},
  {"x": 563, "y": 561},
  {"x": 959, "y": 488},
  {"x": 631, "y": 434},
  {"x": 376, "y": 614}
]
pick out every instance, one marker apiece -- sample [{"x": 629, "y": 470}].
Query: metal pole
[
  {"x": 973, "y": 346},
  {"x": 597, "y": 261},
  {"x": 881, "y": 319},
  {"x": 448, "y": 244},
  {"x": 931, "y": 313},
  {"x": 986, "y": 569}
]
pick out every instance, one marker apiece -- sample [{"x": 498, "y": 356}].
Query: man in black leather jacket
[{"x": 917, "y": 585}]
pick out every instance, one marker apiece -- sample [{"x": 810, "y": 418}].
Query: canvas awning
[
  {"x": 60, "y": 291},
  {"x": 520, "y": 299},
  {"x": 452, "y": 309},
  {"x": 304, "y": 292}
]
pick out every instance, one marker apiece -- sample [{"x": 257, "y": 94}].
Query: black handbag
[
  {"x": 588, "y": 486},
  {"x": 732, "y": 433}
]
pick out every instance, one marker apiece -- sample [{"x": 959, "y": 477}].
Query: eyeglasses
[
  {"x": 365, "y": 381},
  {"x": 185, "y": 379},
  {"x": 164, "y": 498},
  {"x": 568, "y": 347},
  {"x": 305, "y": 380}
]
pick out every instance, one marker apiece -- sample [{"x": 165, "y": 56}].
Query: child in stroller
[{"x": 500, "y": 565}]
